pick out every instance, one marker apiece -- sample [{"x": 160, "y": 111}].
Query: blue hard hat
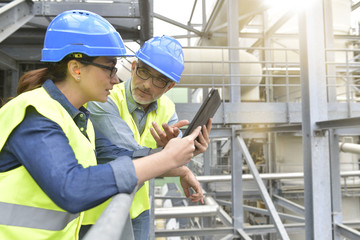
[
  {"x": 165, "y": 55},
  {"x": 80, "y": 31}
]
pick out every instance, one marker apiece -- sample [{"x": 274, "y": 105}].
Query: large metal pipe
[
  {"x": 266, "y": 176},
  {"x": 350, "y": 147}
]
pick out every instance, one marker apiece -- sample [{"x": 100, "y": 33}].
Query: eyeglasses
[
  {"x": 144, "y": 74},
  {"x": 113, "y": 70}
]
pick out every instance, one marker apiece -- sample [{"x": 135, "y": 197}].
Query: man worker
[{"x": 136, "y": 108}]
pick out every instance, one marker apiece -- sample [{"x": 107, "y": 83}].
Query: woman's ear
[{"x": 74, "y": 69}]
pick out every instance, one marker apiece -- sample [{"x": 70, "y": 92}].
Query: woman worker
[{"x": 48, "y": 147}]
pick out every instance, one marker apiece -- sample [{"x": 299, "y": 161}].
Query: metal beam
[
  {"x": 330, "y": 55},
  {"x": 269, "y": 228},
  {"x": 7, "y": 62},
  {"x": 355, "y": 6},
  {"x": 213, "y": 16},
  {"x": 339, "y": 123},
  {"x": 267, "y": 176},
  {"x": 228, "y": 237},
  {"x": 290, "y": 205},
  {"x": 13, "y": 16},
  {"x": 250, "y": 230},
  {"x": 263, "y": 191},
  {"x": 188, "y": 211},
  {"x": 248, "y": 15},
  {"x": 123, "y": 9},
  {"x": 280, "y": 128},
  {"x": 235, "y": 113},
  {"x": 146, "y": 11},
  {"x": 243, "y": 234},
  {"x": 347, "y": 231},
  {"x": 336, "y": 196},
  {"x": 186, "y": 27},
  {"x": 237, "y": 194},
  {"x": 192, "y": 11},
  {"x": 354, "y": 131},
  {"x": 234, "y": 55},
  {"x": 281, "y": 215},
  {"x": 314, "y": 108},
  {"x": 225, "y": 218},
  {"x": 211, "y": 208},
  {"x": 194, "y": 232},
  {"x": 282, "y": 20}
]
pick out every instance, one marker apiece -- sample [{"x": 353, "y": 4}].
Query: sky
[{"x": 179, "y": 11}]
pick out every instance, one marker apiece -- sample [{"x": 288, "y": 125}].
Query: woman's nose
[{"x": 114, "y": 80}]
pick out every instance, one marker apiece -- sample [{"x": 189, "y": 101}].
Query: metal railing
[
  {"x": 279, "y": 75},
  {"x": 114, "y": 223}
]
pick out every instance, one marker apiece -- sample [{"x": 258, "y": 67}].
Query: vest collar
[{"x": 57, "y": 95}]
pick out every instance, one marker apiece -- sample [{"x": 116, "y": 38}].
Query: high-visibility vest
[
  {"x": 166, "y": 109},
  {"x": 26, "y": 212},
  {"x": 164, "y": 112}
]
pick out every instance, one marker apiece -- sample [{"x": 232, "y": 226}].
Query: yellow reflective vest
[
  {"x": 26, "y": 212},
  {"x": 165, "y": 110}
]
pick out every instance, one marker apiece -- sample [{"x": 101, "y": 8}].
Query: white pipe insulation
[{"x": 349, "y": 147}]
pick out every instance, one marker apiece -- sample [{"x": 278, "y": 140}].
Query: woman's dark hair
[{"x": 56, "y": 71}]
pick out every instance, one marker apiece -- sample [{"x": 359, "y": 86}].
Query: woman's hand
[
  {"x": 176, "y": 153},
  {"x": 181, "y": 150}
]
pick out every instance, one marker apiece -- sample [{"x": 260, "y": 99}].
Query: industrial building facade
[{"x": 283, "y": 160}]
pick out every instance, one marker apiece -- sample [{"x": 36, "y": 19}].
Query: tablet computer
[{"x": 206, "y": 111}]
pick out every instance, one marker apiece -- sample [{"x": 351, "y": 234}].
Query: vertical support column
[
  {"x": 233, "y": 43},
  {"x": 336, "y": 196},
  {"x": 206, "y": 222},
  {"x": 152, "y": 209},
  {"x": 267, "y": 56},
  {"x": 203, "y": 10},
  {"x": 330, "y": 55},
  {"x": 146, "y": 11},
  {"x": 314, "y": 108},
  {"x": 146, "y": 32},
  {"x": 236, "y": 183},
  {"x": 11, "y": 78},
  {"x": 271, "y": 168},
  {"x": 207, "y": 161}
]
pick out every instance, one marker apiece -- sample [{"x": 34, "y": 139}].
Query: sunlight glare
[{"x": 289, "y": 4}]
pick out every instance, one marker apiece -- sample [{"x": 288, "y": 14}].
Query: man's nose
[{"x": 147, "y": 83}]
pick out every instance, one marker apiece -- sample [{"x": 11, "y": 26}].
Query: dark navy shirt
[{"x": 40, "y": 145}]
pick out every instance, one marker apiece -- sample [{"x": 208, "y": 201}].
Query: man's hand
[
  {"x": 203, "y": 138},
  {"x": 188, "y": 180},
  {"x": 163, "y": 137}
]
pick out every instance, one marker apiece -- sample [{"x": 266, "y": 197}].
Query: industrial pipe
[{"x": 349, "y": 147}]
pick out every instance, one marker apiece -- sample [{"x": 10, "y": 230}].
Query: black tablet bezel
[{"x": 206, "y": 111}]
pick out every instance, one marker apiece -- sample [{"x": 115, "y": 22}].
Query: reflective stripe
[{"x": 32, "y": 217}]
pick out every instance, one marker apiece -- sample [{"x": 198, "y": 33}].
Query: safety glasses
[
  {"x": 113, "y": 70},
  {"x": 144, "y": 74}
]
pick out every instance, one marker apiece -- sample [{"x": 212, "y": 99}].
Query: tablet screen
[{"x": 206, "y": 111}]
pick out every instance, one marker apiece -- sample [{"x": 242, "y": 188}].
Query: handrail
[
  {"x": 267, "y": 176},
  {"x": 113, "y": 223}
]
